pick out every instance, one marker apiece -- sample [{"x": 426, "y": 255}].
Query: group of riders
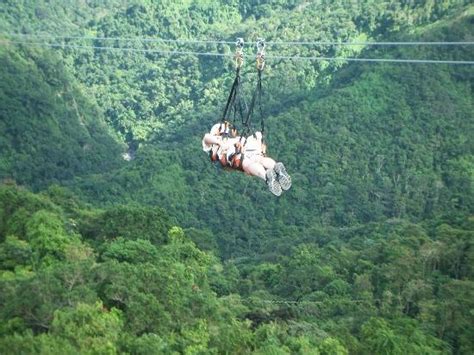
[{"x": 247, "y": 154}]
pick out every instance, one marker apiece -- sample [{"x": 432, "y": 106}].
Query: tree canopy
[{"x": 117, "y": 235}]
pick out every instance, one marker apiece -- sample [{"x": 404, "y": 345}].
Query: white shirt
[{"x": 254, "y": 145}]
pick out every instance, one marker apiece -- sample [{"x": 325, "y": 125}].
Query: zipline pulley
[
  {"x": 239, "y": 53},
  {"x": 260, "y": 54}
]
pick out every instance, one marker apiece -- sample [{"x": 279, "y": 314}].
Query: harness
[
  {"x": 233, "y": 160},
  {"x": 236, "y": 159}
]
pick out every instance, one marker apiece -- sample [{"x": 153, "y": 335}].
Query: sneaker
[
  {"x": 272, "y": 182},
  {"x": 283, "y": 178}
]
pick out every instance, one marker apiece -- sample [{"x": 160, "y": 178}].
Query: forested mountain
[
  {"x": 52, "y": 133},
  {"x": 370, "y": 252}
]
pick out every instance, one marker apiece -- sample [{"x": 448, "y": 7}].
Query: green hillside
[
  {"x": 51, "y": 132},
  {"x": 381, "y": 141},
  {"x": 370, "y": 252}
]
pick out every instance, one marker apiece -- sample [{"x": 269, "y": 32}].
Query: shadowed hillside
[{"x": 50, "y": 131}]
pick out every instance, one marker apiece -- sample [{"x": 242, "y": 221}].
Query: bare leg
[
  {"x": 268, "y": 163},
  {"x": 256, "y": 168},
  {"x": 253, "y": 168}
]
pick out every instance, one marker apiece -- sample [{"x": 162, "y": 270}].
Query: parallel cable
[
  {"x": 124, "y": 49},
  {"x": 140, "y": 39},
  {"x": 382, "y": 60},
  {"x": 329, "y": 43},
  {"x": 310, "y": 58},
  {"x": 276, "y": 43}
]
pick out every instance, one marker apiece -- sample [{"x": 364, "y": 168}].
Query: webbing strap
[
  {"x": 257, "y": 96},
  {"x": 232, "y": 95},
  {"x": 260, "y": 93}
]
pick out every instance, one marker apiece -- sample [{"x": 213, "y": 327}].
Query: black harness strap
[
  {"x": 232, "y": 95},
  {"x": 257, "y": 96}
]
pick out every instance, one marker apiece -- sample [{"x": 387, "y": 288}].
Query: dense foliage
[
  {"x": 50, "y": 131},
  {"x": 370, "y": 252},
  {"x": 124, "y": 279}
]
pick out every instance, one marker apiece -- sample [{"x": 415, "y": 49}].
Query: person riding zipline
[{"x": 246, "y": 152}]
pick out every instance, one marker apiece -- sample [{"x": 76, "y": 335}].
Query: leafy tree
[
  {"x": 90, "y": 328},
  {"x": 14, "y": 253},
  {"x": 46, "y": 235},
  {"x": 332, "y": 346}
]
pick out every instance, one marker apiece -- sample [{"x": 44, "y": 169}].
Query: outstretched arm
[{"x": 211, "y": 139}]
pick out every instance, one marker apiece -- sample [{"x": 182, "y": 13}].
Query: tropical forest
[{"x": 119, "y": 234}]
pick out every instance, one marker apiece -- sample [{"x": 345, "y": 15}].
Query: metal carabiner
[
  {"x": 260, "y": 54},
  {"x": 239, "y": 53}
]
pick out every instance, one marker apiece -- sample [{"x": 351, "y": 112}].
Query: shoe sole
[
  {"x": 274, "y": 185},
  {"x": 276, "y": 189},
  {"x": 283, "y": 177}
]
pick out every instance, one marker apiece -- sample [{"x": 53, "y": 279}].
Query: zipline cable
[
  {"x": 381, "y": 60},
  {"x": 311, "y": 58},
  {"x": 140, "y": 39},
  {"x": 276, "y": 43},
  {"x": 329, "y": 43},
  {"x": 124, "y": 49}
]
